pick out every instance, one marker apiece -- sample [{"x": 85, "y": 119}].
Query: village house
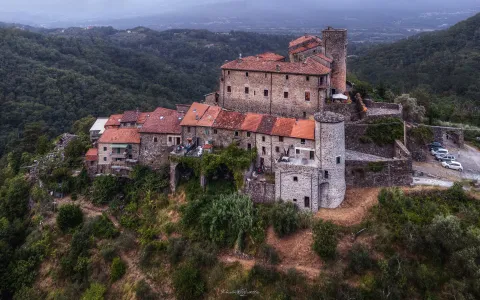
[{"x": 118, "y": 150}]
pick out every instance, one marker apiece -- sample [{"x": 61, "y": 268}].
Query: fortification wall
[
  {"x": 349, "y": 111},
  {"x": 354, "y": 141},
  {"x": 260, "y": 192},
  {"x": 154, "y": 150}
]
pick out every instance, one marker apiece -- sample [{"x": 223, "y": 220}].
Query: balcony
[{"x": 118, "y": 155}]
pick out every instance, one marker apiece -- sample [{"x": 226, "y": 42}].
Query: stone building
[
  {"x": 97, "y": 129},
  {"x": 118, "y": 150}
]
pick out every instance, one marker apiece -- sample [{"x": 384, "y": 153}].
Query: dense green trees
[{"x": 69, "y": 216}]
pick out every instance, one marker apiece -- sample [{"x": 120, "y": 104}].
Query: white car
[
  {"x": 441, "y": 151},
  {"x": 454, "y": 165}
]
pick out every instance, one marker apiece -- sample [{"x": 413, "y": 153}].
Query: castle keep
[{"x": 296, "y": 113}]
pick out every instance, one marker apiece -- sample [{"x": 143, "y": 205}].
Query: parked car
[
  {"x": 434, "y": 145},
  {"x": 439, "y": 151},
  {"x": 444, "y": 157},
  {"x": 454, "y": 165}
]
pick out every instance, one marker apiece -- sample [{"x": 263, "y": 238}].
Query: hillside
[
  {"x": 446, "y": 64},
  {"x": 59, "y": 76}
]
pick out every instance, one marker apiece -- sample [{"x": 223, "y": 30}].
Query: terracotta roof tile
[
  {"x": 163, "y": 120},
  {"x": 283, "y": 126},
  {"x": 209, "y": 116},
  {"x": 303, "y": 129},
  {"x": 308, "y": 67},
  {"x": 143, "y": 117},
  {"x": 303, "y": 39},
  {"x": 114, "y": 120},
  {"x": 266, "y": 125},
  {"x": 92, "y": 154},
  {"x": 267, "y": 56},
  {"x": 120, "y": 136},
  {"x": 251, "y": 122},
  {"x": 304, "y": 48},
  {"x": 328, "y": 59},
  {"x": 229, "y": 120},
  {"x": 129, "y": 116},
  {"x": 194, "y": 113}
]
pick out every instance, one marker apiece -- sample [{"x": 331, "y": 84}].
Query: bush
[
  {"x": 117, "y": 269},
  {"x": 284, "y": 218},
  {"x": 104, "y": 189},
  {"x": 269, "y": 254},
  {"x": 360, "y": 260},
  {"x": 188, "y": 283},
  {"x": 103, "y": 228},
  {"x": 143, "y": 291},
  {"x": 94, "y": 292},
  {"x": 325, "y": 239},
  {"x": 69, "y": 216},
  {"x": 108, "y": 252}
]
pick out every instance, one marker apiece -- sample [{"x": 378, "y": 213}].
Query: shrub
[
  {"x": 108, "y": 252},
  {"x": 445, "y": 235},
  {"x": 360, "y": 260},
  {"x": 117, "y": 269},
  {"x": 94, "y": 292},
  {"x": 269, "y": 254},
  {"x": 325, "y": 239},
  {"x": 143, "y": 291},
  {"x": 188, "y": 283},
  {"x": 103, "y": 228},
  {"x": 285, "y": 219},
  {"x": 385, "y": 131},
  {"x": 104, "y": 189},
  {"x": 265, "y": 275},
  {"x": 69, "y": 216}
]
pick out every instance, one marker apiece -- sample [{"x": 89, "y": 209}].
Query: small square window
[
  {"x": 297, "y": 151},
  {"x": 155, "y": 139},
  {"x": 249, "y": 134},
  {"x": 228, "y": 72},
  {"x": 312, "y": 155},
  {"x": 264, "y": 150},
  {"x": 339, "y": 160},
  {"x": 304, "y": 115},
  {"x": 307, "y": 201},
  {"x": 104, "y": 159},
  {"x": 104, "y": 148},
  {"x": 295, "y": 178},
  {"x": 277, "y": 149},
  {"x": 236, "y": 133},
  {"x": 294, "y": 200},
  {"x": 170, "y": 139},
  {"x": 302, "y": 141},
  {"x": 246, "y": 74},
  {"x": 247, "y": 90},
  {"x": 307, "y": 96},
  {"x": 263, "y": 138},
  {"x": 280, "y": 138},
  {"x": 229, "y": 89},
  {"x": 265, "y": 93},
  {"x": 325, "y": 175},
  {"x": 308, "y": 78},
  {"x": 215, "y": 131},
  {"x": 286, "y": 77},
  {"x": 249, "y": 146},
  {"x": 285, "y": 95},
  {"x": 188, "y": 129}
]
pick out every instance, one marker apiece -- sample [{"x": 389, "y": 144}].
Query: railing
[{"x": 118, "y": 155}]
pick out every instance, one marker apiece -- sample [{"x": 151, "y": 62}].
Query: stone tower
[
  {"x": 335, "y": 45},
  {"x": 330, "y": 149}
]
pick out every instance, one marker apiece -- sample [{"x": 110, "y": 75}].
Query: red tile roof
[
  {"x": 163, "y": 120},
  {"x": 305, "y": 48},
  {"x": 130, "y": 116},
  {"x": 120, "y": 136},
  {"x": 114, "y": 120},
  {"x": 194, "y": 113},
  {"x": 303, "y": 39},
  {"x": 92, "y": 154},
  {"x": 209, "y": 116},
  {"x": 142, "y": 117},
  {"x": 266, "y": 125},
  {"x": 230, "y": 120},
  {"x": 251, "y": 122},
  {"x": 320, "y": 55},
  {"x": 303, "y": 129},
  {"x": 308, "y": 67},
  {"x": 283, "y": 126},
  {"x": 268, "y": 56}
]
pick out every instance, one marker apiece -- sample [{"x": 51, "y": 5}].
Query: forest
[{"x": 442, "y": 68}]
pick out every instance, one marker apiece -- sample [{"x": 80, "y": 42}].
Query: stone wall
[
  {"x": 442, "y": 134},
  {"x": 349, "y": 111},
  {"x": 353, "y": 141},
  {"x": 385, "y": 105},
  {"x": 393, "y": 172},
  {"x": 91, "y": 167},
  {"x": 154, "y": 150},
  {"x": 260, "y": 192},
  {"x": 295, "y": 106}
]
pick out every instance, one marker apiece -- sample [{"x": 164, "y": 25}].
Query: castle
[{"x": 297, "y": 114}]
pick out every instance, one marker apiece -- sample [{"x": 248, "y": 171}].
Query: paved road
[{"x": 434, "y": 182}]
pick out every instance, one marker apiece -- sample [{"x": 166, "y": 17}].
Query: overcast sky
[{"x": 126, "y": 8}]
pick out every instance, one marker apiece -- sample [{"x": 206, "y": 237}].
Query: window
[
  {"x": 104, "y": 159},
  {"x": 249, "y": 133},
  {"x": 295, "y": 178},
  {"x": 312, "y": 155},
  {"x": 263, "y": 138},
  {"x": 104, "y": 148},
  {"x": 155, "y": 139},
  {"x": 215, "y": 131},
  {"x": 265, "y": 75},
  {"x": 207, "y": 131},
  {"x": 307, "y": 201},
  {"x": 188, "y": 129},
  {"x": 334, "y": 91},
  {"x": 249, "y": 146},
  {"x": 285, "y": 95},
  {"x": 229, "y": 89},
  {"x": 339, "y": 160},
  {"x": 280, "y": 138},
  {"x": 304, "y": 115},
  {"x": 297, "y": 151},
  {"x": 129, "y": 147},
  {"x": 264, "y": 151},
  {"x": 294, "y": 200},
  {"x": 169, "y": 139},
  {"x": 307, "y": 96},
  {"x": 277, "y": 149},
  {"x": 302, "y": 141},
  {"x": 236, "y": 133},
  {"x": 246, "y": 90},
  {"x": 178, "y": 141},
  {"x": 308, "y": 78},
  {"x": 325, "y": 175},
  {"x": 228, "y": 72},
  {"x": 286, "y": 77},
  {"x": 130, "y": 156},
  {"x": 265, "y": 93},
  {"x": 246, "y": 74}
]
